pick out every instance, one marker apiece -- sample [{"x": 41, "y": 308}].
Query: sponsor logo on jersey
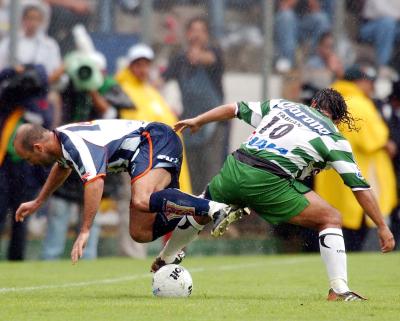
[
  {"x": 261, "y": 143},
  {"x": 168, "y": 159},
  {"x": 359, "y": 174},
  {"x": 303, "y": 116}
]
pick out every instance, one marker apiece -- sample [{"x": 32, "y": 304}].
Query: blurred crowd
[{"x": 58, "y": 76}]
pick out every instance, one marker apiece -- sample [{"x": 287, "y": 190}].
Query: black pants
[{"x": 18, "y": 183}]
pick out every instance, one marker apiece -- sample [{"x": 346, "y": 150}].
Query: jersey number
[{"x": 278, "y": 131}]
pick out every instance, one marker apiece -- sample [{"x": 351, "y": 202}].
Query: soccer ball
[{"x": 172, "y": 281}]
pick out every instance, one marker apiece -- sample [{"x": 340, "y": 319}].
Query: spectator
[
  {"x": 369, "y": 145},
  {"x": 291, "y": 29},
  {"x": 198, "y": 68},
  {"x": 325, "y": 63},
  {"x": 390, "y": 110},
  {"x": 65, "y": 15},
  {"x": 149, "y": 106},
  {"x": 22, "y": 99},
  {"x": 381, "y": 28},
  {"x": 34, "y": 46}
]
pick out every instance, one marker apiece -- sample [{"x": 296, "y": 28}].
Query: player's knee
[
  {"x": 139, "y": 236},
  {"x": 332, "y": 218},
  {"x": 140, "y": 203}
]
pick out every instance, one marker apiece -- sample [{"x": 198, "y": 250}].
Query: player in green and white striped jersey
[
  {"x": 290, "y": 142},
  {"x": 279, "y": 125}
]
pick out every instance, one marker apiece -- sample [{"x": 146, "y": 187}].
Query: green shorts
[{"x": 274, "y": 198}]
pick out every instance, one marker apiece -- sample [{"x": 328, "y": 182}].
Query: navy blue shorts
[{"x": 160, "y": 147}]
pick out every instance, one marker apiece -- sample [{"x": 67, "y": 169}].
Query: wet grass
[{"x": 290, "y": 287}]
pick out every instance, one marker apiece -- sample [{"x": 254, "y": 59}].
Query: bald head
[
  {"x": 37, "y": 145},
  {"x": 27, "y": 135}
]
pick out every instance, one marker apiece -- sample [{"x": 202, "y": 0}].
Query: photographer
[{"x": 23, "y": 92}]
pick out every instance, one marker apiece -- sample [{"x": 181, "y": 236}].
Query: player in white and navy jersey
[
  {"x": 150, "y": 152},
  {"x": 291, "y": 142}
]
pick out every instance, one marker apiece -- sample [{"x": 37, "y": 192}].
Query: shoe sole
[
  {"x": 332, "y": 296},
  {"x": 233, "y": 216}
]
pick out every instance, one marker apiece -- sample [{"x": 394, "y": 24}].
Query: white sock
[
  {"x": 215, "y": 207},
  {"x": 185, "y": 232},
  {"x": 333, "y": 253}
]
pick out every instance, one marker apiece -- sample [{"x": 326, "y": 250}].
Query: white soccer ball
[{"x": 172, "y": 281}]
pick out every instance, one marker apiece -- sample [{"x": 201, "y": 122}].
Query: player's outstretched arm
[
  {"x": 56, "y": 178},
  {"x": 219, "y": 113},
  {"x": 368, "y": 202},
  {"x": 91, "y": 201}
]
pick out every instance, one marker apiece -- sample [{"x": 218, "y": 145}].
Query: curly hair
[{"x": 331, "y": 101}]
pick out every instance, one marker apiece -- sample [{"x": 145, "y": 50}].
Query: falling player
[{"x": 150, "y": 152}]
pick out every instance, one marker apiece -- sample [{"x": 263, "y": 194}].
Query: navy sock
[
  {"x": 172, "y": 203},
  {"x": 163, "y": 226}
]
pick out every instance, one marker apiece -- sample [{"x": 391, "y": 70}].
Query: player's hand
[
  {"x": 79, "y": 245},
  {"x": 26, "y": 209},
  {"x": 187, "y": 123},
  {"x": 386, "y": 239}
]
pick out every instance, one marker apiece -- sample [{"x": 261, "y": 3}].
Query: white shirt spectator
[{"x": 39, "y": 49}]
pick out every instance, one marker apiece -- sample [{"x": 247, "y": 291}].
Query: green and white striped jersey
[{"x": 299, "y": 139}]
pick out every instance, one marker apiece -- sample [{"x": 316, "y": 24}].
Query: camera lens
[{"x": 84, "y": 72}]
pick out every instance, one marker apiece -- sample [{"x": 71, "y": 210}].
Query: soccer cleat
[
  {"x": 159, "y": 263},
  {"x": 347, "y": 296},
  {"x": 226, "y": 216}
]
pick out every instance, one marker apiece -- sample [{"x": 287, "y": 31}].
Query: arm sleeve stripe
[
  {"x": 345, "y": 167},
  {"x": 255, "y": 119},
  {"x": 354, "y": 189},
  {"x": 93, "y": 179},
  {"x": 237, "y": 110},
  {"x": 255, "y": 107}
]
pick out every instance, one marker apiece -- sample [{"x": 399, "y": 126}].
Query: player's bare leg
[
  {"x": 326, "y": 220},
  {"x": 141, "y": 219}
]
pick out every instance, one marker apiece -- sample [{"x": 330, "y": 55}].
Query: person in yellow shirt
[
  {"x": 370, "y": 146},
  {"x": 149, "y": 106}
]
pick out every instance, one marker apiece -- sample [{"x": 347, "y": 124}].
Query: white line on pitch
[{"x": 145, "y": 275}]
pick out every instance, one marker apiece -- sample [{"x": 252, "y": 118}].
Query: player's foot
[
  {"x": 347, "y": 296},
  {"x": 226, "y": 216},
  {"x": 159, "y": 263}
]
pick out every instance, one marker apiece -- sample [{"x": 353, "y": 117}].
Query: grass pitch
[{"x": 291, "y": 287}]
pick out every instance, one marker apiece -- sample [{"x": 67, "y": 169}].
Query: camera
[
  {"x": 83, "y": 70},
  {"x": 17, "y": 87}
]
